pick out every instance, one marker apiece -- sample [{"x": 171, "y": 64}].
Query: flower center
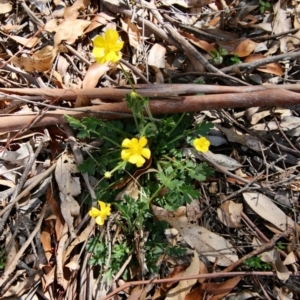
[
  {"x": 108, "y": 46},
  {"x": 136, "y": 149}
]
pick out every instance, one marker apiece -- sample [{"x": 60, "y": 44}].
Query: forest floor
[{"x": 162, "y": 167}]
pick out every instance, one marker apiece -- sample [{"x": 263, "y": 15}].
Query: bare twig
[
  {"x": 27, "y": 242},
  {"x": 37, "y": 180},
  {"x": 261, "y": 62},
  {"x": 5, "y": 212},
  {"x": 206, "y": 276},
  {"x": 259, "y": 250}
]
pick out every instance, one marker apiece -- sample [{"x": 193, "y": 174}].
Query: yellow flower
[
  {"x": 202, "y": 144},
  {"x": 107, "y": 47},
  {"x": 100, "y": 215},
  {"x": 136, "y": 151}
]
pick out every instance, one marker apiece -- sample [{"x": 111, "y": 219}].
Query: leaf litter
[{"x": 254, "y": 193}]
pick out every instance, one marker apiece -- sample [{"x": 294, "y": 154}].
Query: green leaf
[
  {"x": 214, "y": 53},
  {"x": 203, "y": 128},
  {"x": 88, "y": 166},
  {"x": 74, "y": 123},
  {"x": 223, "y": 52}
]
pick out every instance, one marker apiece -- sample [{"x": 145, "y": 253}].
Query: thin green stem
[
  {"x": 127, "y": 77},
  {"x": 176, "y": 139},
  {"x": 110, "y": 140},
  {"x": 178, "y": 122}
]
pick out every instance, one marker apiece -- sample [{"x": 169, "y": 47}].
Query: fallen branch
[
  {"x": 265, "y": 97},
  {"x": 176, "y": 279},
  {"x": 147, "y": 90}
]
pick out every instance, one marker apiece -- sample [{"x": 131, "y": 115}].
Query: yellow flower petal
[
  {"x": 105, "y": 208},
  {"x": 126, "y": 143},
  {"x": 113, "y": 56},
  {"x": 202, "y": 144},
  {"x": 143, "y": 141},
  {"x": 100, "y": 60},
  {"x": 111, "y": 36},
  {"x": 94, "y": 212},
  {"x": 134, "y": 142},
  {"x": 99, "y": 41},
  {"x": 125, "y": 154},
  {"x": 117, "y": 47},
  {"x": 146, "y": 153},
  {"x": 100, "y": 220},
  {"x": 137, "y": 160}
]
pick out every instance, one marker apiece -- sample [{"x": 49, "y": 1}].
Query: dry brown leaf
[
  {"x": 40, "y": 61},
  {"x": 188, "y": 3},
  {"x": 200, "y": 43},
  {"x": 132, "y": 190},
  {"x": 244, "y": 48},
  {"x": 282, "y": 295},
  {"x": 224, "y": 161},
  {"x": 69, "y": 31},
  {"x": 72, "y": 12},
  {"x": 93, "y": 74},
  {"x": 214, "y": 22},
  {"x": 19, "y": 156},
  {"x": 254, "y": 117},
  {"x": 54, "y": 206},
  {"x": 19, "y": 288},
  {"x": 138, "y": 293},
  {"x": 272, "y": 68},
  {"x": 134, "y": 33},
  {"x": 5, "y": 7},
  {"x": 100, "y": 19},
  {"x": 273, "y": 257},
  {"x": 203, "y": 270},
  {"x": 6, "y": 183},
  {"x": 213, "y": 246},
  {"x": 156, "y": 57},
  {"x": 235, "y": 136},
  {"x": 45, "y": 239},
  {"x": 230, "y": 45},
  {"x": 82, "y": 101},
  {"x": 290, "y": 259},
  {"x": 10, "y": 28},
  {"x": 178, "y": 271},
  {"x": 13, "y": 247},
  {"x": 73, "y": 264},
  {"x": 269, "y": 211},
  {"x": 46, "y": 269},
  {"x": 215, "y": 291},
  {"x": 282, "y": 271},
  {"x": 281, "y": 23},
  {"x": 28, "y": 42},
  {"x": 230, "y": 214},
  {"x": 184, "y": 286},
  {"x": 84, "y": 235},
  {"x": 69, "y": 186}
]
